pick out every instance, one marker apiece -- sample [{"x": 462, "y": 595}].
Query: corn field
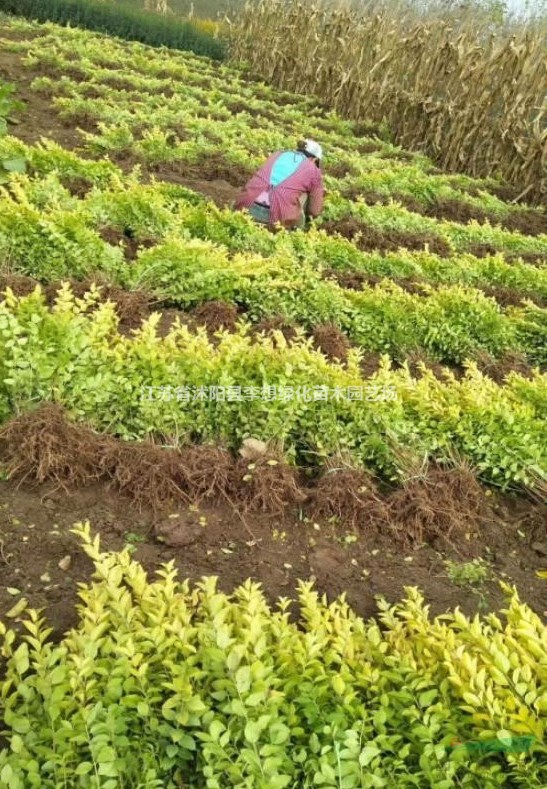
[{"x": 473, "y": 99}]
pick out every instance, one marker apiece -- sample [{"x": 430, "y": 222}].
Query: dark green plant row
[{"x": 122, "y": 21}]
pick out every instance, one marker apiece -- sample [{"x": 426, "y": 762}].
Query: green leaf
[
  {"x": 427, "y": 698},
  {"x": 368, "y": 753},
  {"x": 15, "y": 165},
  {"x": 243, "y": 679},
  {"x": 83, "y": 768},
  {"x": 253, "y": 731}
]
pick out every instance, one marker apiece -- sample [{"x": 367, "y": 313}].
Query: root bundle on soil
[
  {"x": 438, "y": 503},
  {"x": 328, "y": 339},
  {"x": 216, "y": 315},
  {"x": 266, "y": 484},
  {"x": 149, "y": 475},
  {"x": 43, "y": 445},
  {"x": 206, "y": 471},
  {"x": 349, "y": 495}
]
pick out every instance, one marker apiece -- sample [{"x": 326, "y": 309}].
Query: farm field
[{"x": 363, "y": 404}]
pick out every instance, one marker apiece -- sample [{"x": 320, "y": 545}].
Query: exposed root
[
  {"x": 350, "y": 496},
  {"x": 331, "y": 341},
  {"x": 438, "y": 503},
  {"x": 266, "y": 484},
  {"x": 150, "y": 475},
  {"x": 44, "y": 446},
  {"x": 207, "y": 472},
  {"x": 216, "y": 315}
]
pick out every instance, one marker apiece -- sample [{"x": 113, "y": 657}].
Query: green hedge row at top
[{"x": 127, "y": 23}]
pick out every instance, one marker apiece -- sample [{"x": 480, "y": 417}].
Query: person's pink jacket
[{"x": 285, "y": 205}]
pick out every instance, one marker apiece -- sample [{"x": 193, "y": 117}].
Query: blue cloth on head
[{"x": 285, "y": 166}]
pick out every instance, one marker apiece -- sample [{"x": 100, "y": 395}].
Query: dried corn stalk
[{"x": 474, "y": 100}]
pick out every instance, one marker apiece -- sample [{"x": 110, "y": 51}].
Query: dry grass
[{"x": 473, "y": 100}]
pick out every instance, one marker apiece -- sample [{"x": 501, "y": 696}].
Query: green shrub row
[
  {"x": 128, "y": 23},
  {"x": 163, "y": 685}
]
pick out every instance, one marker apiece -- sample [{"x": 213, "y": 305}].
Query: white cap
[{"x": 313, "y": 148}]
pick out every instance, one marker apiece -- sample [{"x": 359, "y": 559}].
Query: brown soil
[
  {"x": 340, "y": 169},
  {"x": 505, "y": 192},
  {"x": 482, "y": 250},
  {"x": 38, "y": 118},
  {"x": 530, "y": 222},
  {"x": 333, "y": 343},
  {"x": 370, "y": 364},
  {"x": 532, "y": 258},
  {"x": 510, "y": 297},
  {"x": 355, "y": 280},
  {"x": 416, "y": 359},
  {"x": 368, "y": 147},
  {"x": 370, "y": 238},
  {"x": 276, "y": 323},
  {"x": 35, "y": 523},
  {"x": 78, "y": 186},
  {"x": 132, "y": 306},
  {"x": 216, "y": 315},
  {"x": 499, "y": 369},
  {"x": 487, "y": 250},
  {"x": 131, "y": 246}
]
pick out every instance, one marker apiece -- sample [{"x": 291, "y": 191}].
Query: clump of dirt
[
  {"x": 482, "y": 250},
  {"x": 377, "y": 198},
  {"x": 332, "y": 342},
  {"x": 402, "y": 156},
  {"x": 456, "y": 211},
  {"x": 239, "y": 106},
  {"x": 370, "y": 238},
  {"x": 532, "y": 258},
  {"x": 83, "y": 121},
  {"x": 216, "y": 315},
  {"x": 42, "y": 445},
  {"x": 132, "y": 306},
  {"x": 214, "y": 167},
  {"x": 267, "y": 484},
  {"x": 505, "y": 192},
  {"x": 18, "y": 283},
  {"x": 499, "y": 369},
  {"x": 415, "y": 360},
  {"x": 438, "y": 504},
  {"x": 370, "y": 363},
  {"x": 350, "y": 496},
  {"x": 78, "y": 186},
  {"x": 352, "y": 280},
  {"x": 506, "y": 297},
  {"x": 341, "y": 169},
  {"x": 276, "y": 323},
  {"x": 118, "y": 83},
  {"x": 131, "y": 245}
]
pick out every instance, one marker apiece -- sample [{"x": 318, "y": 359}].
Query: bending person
[{"x": 288, "y": 188}]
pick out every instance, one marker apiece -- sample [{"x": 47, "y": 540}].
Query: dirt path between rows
[{"x": 35, "y": 538}]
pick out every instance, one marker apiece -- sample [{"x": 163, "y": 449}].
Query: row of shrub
[
  {"x": 163, "y": 685},
  {"x": 122, "y": 21}
]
